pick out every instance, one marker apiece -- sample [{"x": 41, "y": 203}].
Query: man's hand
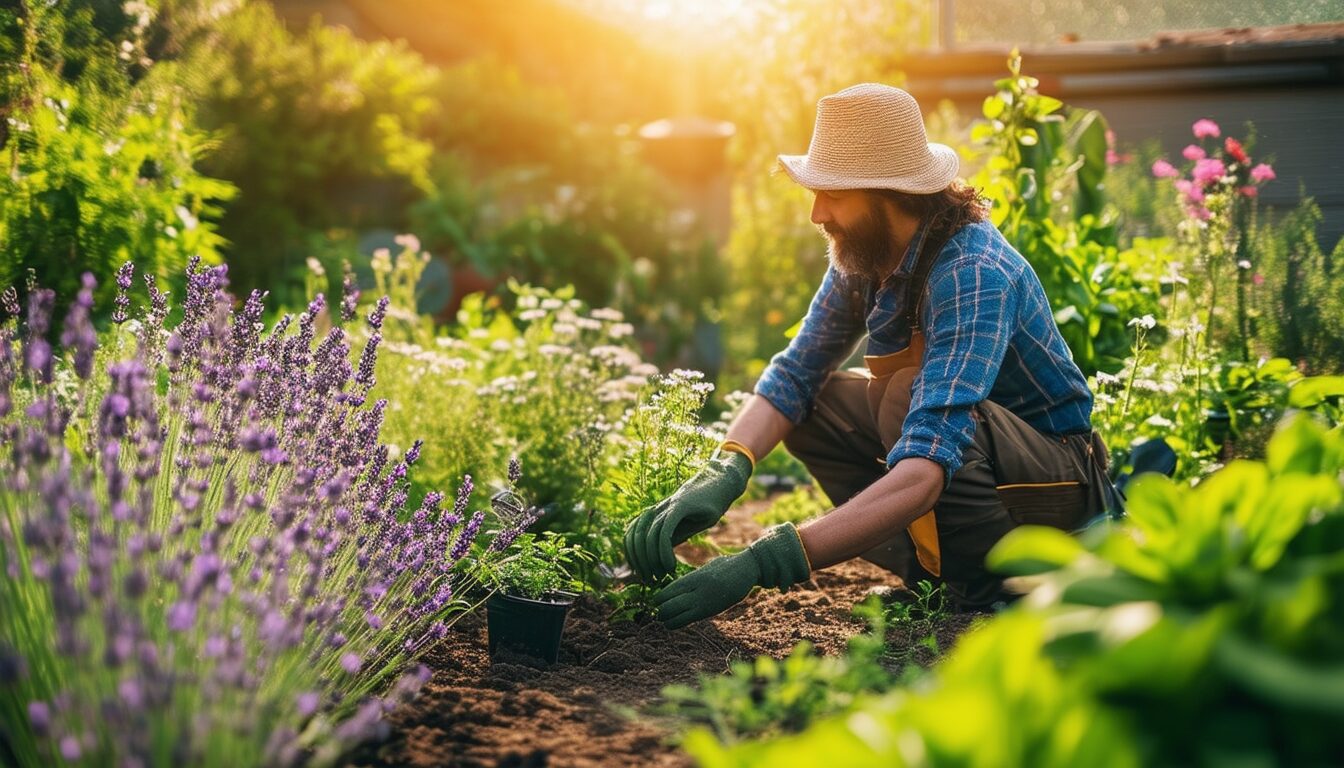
[
  {"x": 696, "y": 506},
  {"x": 777, "y": 559}
]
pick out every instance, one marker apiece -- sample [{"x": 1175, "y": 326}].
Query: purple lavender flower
[
  {"x": 181, "y": 616},
  {"x": 37, "y": 352},
  {"x": 413, "y": 453},
  {"x": 122, "y": 301},
  {"x": 468, "y": 535},
  {"x": 377, "y": 314},
  {"x": 505, "y": 538},
  {"x": 350, "y": 662},
  {"x": 349, "y": 294},
  {"x": 515, "y": 470},
  {"x": 367, "y": 360},
  {"x": 39, "y": 714},
  {"x": 306, "y": 703}
]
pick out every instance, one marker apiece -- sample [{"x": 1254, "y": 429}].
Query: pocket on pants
[{"x": 1060, "y": 505}]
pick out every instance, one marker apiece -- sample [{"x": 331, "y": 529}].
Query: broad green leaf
[
  {"x": 1313, "y": 390},
  {"x": 1033, "y": 549},
  {"x": 1114, "y": 589}
]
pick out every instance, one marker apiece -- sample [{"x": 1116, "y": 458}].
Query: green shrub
[
  {"x": 99, "y": 171},
  {"x": 317, "y": 130},
  {"x": 1298, "y": 292}
]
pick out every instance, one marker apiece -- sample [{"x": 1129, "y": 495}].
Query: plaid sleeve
[
  {"x": 971, "y": 316},
  {"x": 834, "y": 322}
]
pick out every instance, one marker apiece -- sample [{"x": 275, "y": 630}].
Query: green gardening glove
[
  {"x": 777, "y": 559},
  {"x": 696, "y": 506}
]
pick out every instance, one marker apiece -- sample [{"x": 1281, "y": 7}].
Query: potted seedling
[{"x": 526, "y": 613}]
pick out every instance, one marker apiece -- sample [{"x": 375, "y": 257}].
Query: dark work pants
[{"x": 1011, "y": 475}]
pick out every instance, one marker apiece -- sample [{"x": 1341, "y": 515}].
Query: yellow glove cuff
[{"x": 736, "y": 447}]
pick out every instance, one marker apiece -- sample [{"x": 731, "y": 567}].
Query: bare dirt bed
[{"x": 580, "y": 711}]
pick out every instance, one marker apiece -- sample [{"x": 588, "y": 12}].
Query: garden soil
[{"x": 590, "y": 709}]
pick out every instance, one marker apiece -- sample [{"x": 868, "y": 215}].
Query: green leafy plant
[
  {"x": 98, "y": 171},
  {"x": 915, "y": 622},
  {"x": 1204, "y": 629},
  {"x": 1044, "y": 173},
  {"x": 538, "y": 565},
  {"x": 767, "y": 696},
  {"x": 1297, "y": 292}
]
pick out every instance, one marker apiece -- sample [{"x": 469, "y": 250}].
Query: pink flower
[
  {"x": 1258, "y": 279},
  {"x": 1263, "y": 172},
  {"x": 1248, "y": 191},
  {"x": 1192, "y": 193},
  {"x": 1193, "y": 152},
  {"x": 1200, "y": 212},
  {"x": 1234, "y": 149},
  {"x": 1164, "y": 170},
  {"x": 1206, "y": 127},
  {"x": 1207, "y": 171},
  {"x": 1118, "y": 158}
]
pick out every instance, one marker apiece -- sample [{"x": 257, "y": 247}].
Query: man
[{"x": 971, "y": 419}]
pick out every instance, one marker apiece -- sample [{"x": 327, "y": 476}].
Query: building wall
[{"x": 1298, "y": 129}]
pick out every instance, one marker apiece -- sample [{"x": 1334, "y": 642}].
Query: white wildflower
[
  {"x": 607, "y": 314},
  {"x": 1147, "y": 322},
  {"x": 381, "y": 261},
  {"x": 409, "y": 242},
  {"x": 532, "y": 315}
]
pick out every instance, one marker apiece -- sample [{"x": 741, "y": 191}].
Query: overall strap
[{"x": 928, "y": 254}]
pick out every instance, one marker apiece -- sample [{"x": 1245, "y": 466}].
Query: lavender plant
[{"x": 207, "y": 556}]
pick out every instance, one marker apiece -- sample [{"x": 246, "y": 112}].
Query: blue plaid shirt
[{"x": 988, "y": 331}]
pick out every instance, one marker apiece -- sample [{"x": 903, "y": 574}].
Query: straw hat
[{"x": 871, "y": 136}]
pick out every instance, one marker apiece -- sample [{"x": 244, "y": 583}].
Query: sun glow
[{"x": 697, "y": 21}]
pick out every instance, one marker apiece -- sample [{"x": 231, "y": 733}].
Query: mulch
[{"x": 585, "y": 711}]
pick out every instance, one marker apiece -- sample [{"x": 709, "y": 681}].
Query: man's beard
[{"x": 863, "y": 249}]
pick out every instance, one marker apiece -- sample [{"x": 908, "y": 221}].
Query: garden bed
[{"x": 577, "y": 713}]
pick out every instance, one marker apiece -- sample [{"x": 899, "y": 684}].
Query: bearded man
[{"x": 970, "y": 418}]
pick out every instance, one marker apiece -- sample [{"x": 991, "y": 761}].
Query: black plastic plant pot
[
  {"x": 1217, "y": 425},
  {"x": 527, "y": 627}
]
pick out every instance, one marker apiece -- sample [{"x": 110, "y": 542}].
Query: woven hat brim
[{"x": 935, "y": 177}]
